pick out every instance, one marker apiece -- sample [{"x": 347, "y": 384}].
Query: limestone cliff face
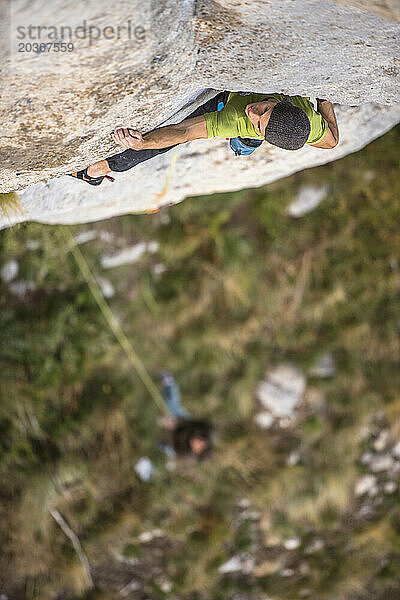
[{"x": 58, "y": 108}]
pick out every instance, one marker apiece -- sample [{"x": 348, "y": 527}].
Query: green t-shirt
[{"x": 232, "y": 121}]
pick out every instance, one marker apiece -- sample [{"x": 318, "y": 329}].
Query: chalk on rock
[
  {"x": 144, "y": 468},
  {"x": 308, "y": 197},
  {"x": 282, "y": 390}
]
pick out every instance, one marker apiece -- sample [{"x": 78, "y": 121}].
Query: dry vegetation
[{"x": 245, "y": 286}]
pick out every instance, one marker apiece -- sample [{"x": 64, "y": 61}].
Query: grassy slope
[{"x": 245, "y": 287}]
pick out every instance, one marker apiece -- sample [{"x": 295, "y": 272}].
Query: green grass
[{"x": 245, "y": 287}]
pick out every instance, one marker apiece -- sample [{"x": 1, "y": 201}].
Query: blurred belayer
[
  {"x": 246, "y": 119},
  {"x": 189, "y": 437}
]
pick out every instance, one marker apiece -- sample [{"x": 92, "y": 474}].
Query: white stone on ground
[
  {"x": 307, "y": 198},
  {"x": 149, "y": 536},
  {"x": 396, "y": 451},
  {"x": 233, "y": 565},
  {"x": 292, "y": 543},
  {"x": 315, "y": 546},
  {"x": 21, "y": 288},
  {"x": 9, "y": 270},
  {"x": 366, "y": 458},
  {"x": 264, "y": 420},
  {"x": 107, "y": 288},
  {"x": 390, "y": 487},
  {"x": 159, "y": 269},
  {"x": 365, "y": 484},
  {"x": 132, "y": 586},
  {"x": 85, "y": 236},
  {"x": 282, "y": 390},
  {"x": 32, "y": 245},
  {"x": 129, "y": 255},
  {"x": 294, "y": 459},
  {"x": 381, "y": 463},
  {"x": 381, "y": 441},
  {"x": 324, "y": 366},
  {"x": 144, "y": 468}
]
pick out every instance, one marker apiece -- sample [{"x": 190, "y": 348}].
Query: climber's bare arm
[
  {"x": 331, "y": 138},
  {"x": 163, "y": 137}
]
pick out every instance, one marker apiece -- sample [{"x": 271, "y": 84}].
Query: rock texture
[{"x": 59, "y": 108}]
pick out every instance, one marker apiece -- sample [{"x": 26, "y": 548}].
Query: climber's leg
[
  {"x": 97, "y": 180},
  {"x": 99, "y": 169},
  {"x": 130, "y": 158}
]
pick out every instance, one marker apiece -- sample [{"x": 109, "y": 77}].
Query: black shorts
[{"x": 130, "y": 158}]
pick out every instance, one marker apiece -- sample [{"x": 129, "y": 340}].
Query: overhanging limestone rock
[
  {"x": 57, "y": 112},
  {"x": 202, "y": 167}
]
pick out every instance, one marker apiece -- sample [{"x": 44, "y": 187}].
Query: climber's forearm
[
  {"x": 163, "y": 137},
  {"x": 326, "y": 109}
]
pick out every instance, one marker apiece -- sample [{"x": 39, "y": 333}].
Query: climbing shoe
[{"x": 90, "y": 180}]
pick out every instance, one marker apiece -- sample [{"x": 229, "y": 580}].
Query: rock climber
[
  {"x": 248, "y": 119},
  {"x": 189, "y": 437}
]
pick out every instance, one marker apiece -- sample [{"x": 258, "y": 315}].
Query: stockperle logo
[{"x": 58, "y": 34}]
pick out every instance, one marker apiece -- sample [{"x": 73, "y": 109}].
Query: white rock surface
[
  {"x": 73, "y": 100},
  {"x": 307, "y": 198},
  {"x": 282, "y": 390}
]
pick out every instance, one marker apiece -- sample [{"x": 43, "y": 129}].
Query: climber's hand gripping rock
[{"x": 128, "y": 138}]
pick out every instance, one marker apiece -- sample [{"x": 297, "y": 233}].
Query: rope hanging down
[
  {"x": 166, "y": 186},
  {"x": 114, "y": 325}
]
